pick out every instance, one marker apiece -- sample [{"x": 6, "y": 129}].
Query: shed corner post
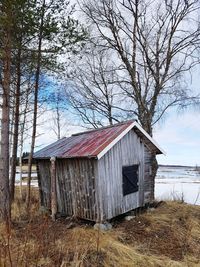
[{"x": 53, "y": 188}]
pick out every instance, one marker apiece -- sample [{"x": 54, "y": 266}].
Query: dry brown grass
[
  {"x": 166, "y": 236},
  {"x": 171, "y": 230}
]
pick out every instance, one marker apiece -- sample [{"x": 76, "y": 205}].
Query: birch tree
[{"x": 155, "y": 43}]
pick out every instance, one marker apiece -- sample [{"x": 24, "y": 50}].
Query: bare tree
[
  {"x": 25, "y": 111},
  {"x": 155, "y": 44},
  {"x": 95, "y": 93},
  {"x": 57, "y": 121},
  {"x": 57, "y": 104}
]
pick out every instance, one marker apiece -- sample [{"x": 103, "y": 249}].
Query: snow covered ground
[
  {"x": 178, "y": 182},
  {"x": 171, "y": 183},
  {"x": 24, "y": 175}
]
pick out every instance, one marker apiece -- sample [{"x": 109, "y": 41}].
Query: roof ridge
[{"x": 102, "y": 128}]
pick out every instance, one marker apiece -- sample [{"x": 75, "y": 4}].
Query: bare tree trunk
[
  {"x": 58, "y": 122},
  {"x": 22, "y": 138},
  {"x": 37, "y": 77},
  {"x": 154, "y": 172},
  {"x": 146, "y": 124},
  {"x": 20, "y": 172},
  {"x": 12, "y": 114},
  {"x": 16, "y": 130},
  {"x": 5, "y": 210},
  {"x": 110, "y": 118}
]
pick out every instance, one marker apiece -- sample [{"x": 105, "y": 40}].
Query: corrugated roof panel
[
  {"x": 95, "y": 143},
  {"x": 87, "y": 144}
]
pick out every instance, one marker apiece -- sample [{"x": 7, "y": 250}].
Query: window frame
[{"x": 127, "y": 189}]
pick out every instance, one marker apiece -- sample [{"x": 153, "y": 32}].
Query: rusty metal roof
[{"x": 85, "y": 144}]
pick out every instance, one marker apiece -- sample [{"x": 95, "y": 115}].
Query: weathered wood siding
[
  {"x": 149, "y": 180},
  {"x": 45, "y": 182},
  {"x": 75, "y": 180},
  {"x": 76, "y": 187},
  {"x": 128, "y": 151}
]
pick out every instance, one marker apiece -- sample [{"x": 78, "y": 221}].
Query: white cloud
[{"x": 180, "y": 137}]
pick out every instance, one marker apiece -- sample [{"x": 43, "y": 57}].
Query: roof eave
[
  {"x": 158, "y": 149},
  {"x": 68, "y": 157}
]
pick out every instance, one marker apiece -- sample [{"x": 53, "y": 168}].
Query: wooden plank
[
  {"x": 53, "y": 189},
  {"x": 44, "y": 172},
  {"x": 40, "y": 185},
  {"x": 128, "y": 151}
]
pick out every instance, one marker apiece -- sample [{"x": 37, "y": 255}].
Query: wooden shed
[{"x": 98, "y": 174}]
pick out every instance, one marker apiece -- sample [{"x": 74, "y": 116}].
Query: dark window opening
[{"x": 130, "y": 179}]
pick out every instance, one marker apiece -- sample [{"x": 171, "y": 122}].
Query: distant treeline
[
  {"x": 24, "y": 158},
  {"x": 177, "y": 166}
]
